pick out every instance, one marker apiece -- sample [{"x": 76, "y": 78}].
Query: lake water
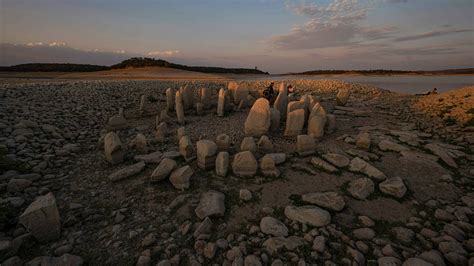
[{"x": 398, "y": 83}]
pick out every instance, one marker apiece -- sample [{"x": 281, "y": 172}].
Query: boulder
[
  {"x": 117, "y": 121},
  {"x": 163, "y": 170},
  {"x": 268, "y": 167},
  {"x": 206, "y": 154},
  {"x": 360, "y": 166},
  {"x": 41, "y": 219},
  {"x": 241, "y": 93},
  {"x": 361, "y": 188},
  {"x": 126, "y": 172},
  {"x": 294, "y": 123},
  {"x": 363, "y": 141},
  {"x": 394, "y": 187},
  {"x": 316, "y": 125},
  {"x": 188, "y": 97},
  {"x": 245, "y": 194},
  {"x": 113, "y": 149},
  {"x": 223, "y": 142},
  {"x": 259, "y": 119},
  {"x": 308, "y": 214},
  {"x": 342, "y": 97},
  {"x": 211, "y": 204},
  {"x": 139, "y": 143},
  {"x": 180, "y": 132},
  {"x": 278, "y": 158},
  {"x": 328, "y": 200},
  {"x": 305, "y": 145},
  {"x": 154, "y": 157},
  {"x": 181, "y": 176},
  {"x": 244, "y": 164},
  {"x": 186, "y": 147},
  {"x": 206, "y": 98},
  {"x": 248, "y": 144},
  {"x": 272, "y": 226},
  {"x": 222, "y": 163}
]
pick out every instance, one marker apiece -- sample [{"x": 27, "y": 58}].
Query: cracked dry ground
[{"x": 134, "y": 221}]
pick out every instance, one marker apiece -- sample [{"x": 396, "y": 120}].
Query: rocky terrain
[{"x": 209, "y": 173}]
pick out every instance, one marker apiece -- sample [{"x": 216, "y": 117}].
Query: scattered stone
[
  {"x": 360, "y": 166},
  {"x": 160, "y": 132},
  {"x": 163, "y": 170},
  {"x": 281, "y": 102},
  {"x": 342, "y": 97},
  {"x": 323, "y": 165},
  {"x": 18, "y": 184},
  {"x": 139, "y": 143},
  {"x": 331, "y": 125},
  {"x": 328, "y": 200},
  {"x": 278, "y": 158},
  {"x": 66, "y": 259},
  {"x": 272, "y": 226},
  {"x": 41, "y": 219},
  {"x": 259, "y": 119},
  {"x": 222, "y": 163},
  {"x": 181, "y": 176},
  {"x": 394, "y": 187},
  {"x": 223, "y": 142},
  {"x": 363, "y": 141},
  {"x": 206, "y": 154},
  {"x": 361, "y": 188},
  {"x": 244, "y": 164},
  {"x": 264, "y": 145},
  {"x": 245, "y": 194},
  {"x": 248, "y": 144},
  {"x": 308, "y": 214},
  {"x": 212, "y": 204},
  {"x": 127, "y": 172},
  {"x": 364, "y": 233},
  {"x": 186, "y": 147},
  {"x": 113, "y": 150},
  {"x": 337, "y": 159},
  {"x": 305, "y": 145},
  {"x": 268, "y": 167},
  {"x": 441, "y": 153},
  {"x": 386, "y": 145}
]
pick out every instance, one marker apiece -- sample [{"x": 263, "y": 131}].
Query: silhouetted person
[
  {"x": 432, "y": 92},
  {"x": 269, "y": 93}
]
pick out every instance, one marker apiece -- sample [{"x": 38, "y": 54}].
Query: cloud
[
  {"x": 431, "y": 34},
  {"x": 166, "y": 53}
]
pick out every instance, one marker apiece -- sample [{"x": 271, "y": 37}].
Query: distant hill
[
  {"x": 52, "y": 67},
  {"x": 385, "y": 72},
  {"x": 148, "y": 62}
]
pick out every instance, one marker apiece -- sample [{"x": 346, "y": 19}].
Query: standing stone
[
  {"x": 317, "y": 121},
  {"x": 199, "y": 108},
  {"x": 294, "y": 123},
  {"x": 361, "y": 188},
  {"x": 330, "y": 123},
  {"x": 268, "y": 167},
  {"x": 211, "y": 204},
  {"x": 223, "y": 142},
  {"x": 181, "y": 131},
  {"x": 181, "y": 176},
  {"x": 186, "y": 147},
  {"x": 248, "y": 144},
  {"x": 179, "y": 108},
  {"x": 160, "y": 132},
  {"x": 259, "y": 119},
  {"x": 164, "y": 117},
  {"x": 244, "y": 164},
  {"x": 221, "y": 103},
  {"x": 188, "y": 97},
  {"x": 142, "y": 105},
  {"x": 113, "y": 150},
  {"x": 206, "y": 154},
  {"x": 264, "y": 145},
  {"x": 222, "y": 163},
  {"x": 281, "y": 102},
  {"x": 394, "y": 187},
  {"x": 342, "y": 97},
  {"x": 163, "y": 170},
  {"x": 295, "y": 105},
  {"x": 206, "y": 98},
  {"x": 169, "y": 99},
  {"x": 232, "y": 87},
  {"x": 241, "y": 93},
  {"x": 305, "y": 145},
  {"x": 363, "y": 140},
  {"x": 275, "y": 120},
  {"x": 139, "y": 143},
  {"x": 41, "y": 219}
]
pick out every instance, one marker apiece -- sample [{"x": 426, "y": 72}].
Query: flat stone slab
[
  {"x": 127, "y": 172},
  {"x": 308, "y": 214},
  {"x": 212, "y": 203}
]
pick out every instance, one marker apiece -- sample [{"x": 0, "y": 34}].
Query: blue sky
[{"x": 275, "y": 35}]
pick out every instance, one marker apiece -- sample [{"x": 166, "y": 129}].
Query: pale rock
[
  {"x": 244, "y": 164},
  {"x": 363, "y": 141},
  {"x": 186, "y": 147},
  {"x": 338, "y": 160},
  {"x": 323, "y": 165},
  {"x": 394, "y": 187},
  {"x": 221, "y": 103},
  {"x": 281, "y": 102},
  {"x": 259, "y": 119},
  {"x": 278, "y": 158},
  {"x": 41, "y": 219},
  {"x": 268, "y": 167},
  {"x": 386, "y": 145},
  {"x": 360, "y": 166},
  {"x": 206, "y": 154},
  {"x": 139, "y": 143},
  {"x": 361, "y": 188},
  {"x": 163, "y": 170},
  {"x": 328, "y": 200},
  {"x": 127, "y": 172},
  {"x": 179, "y": 108},
  {"x": 222, "y": 163},
  {"x": 248, "y": 144},
  {"x": 223, "y": 142},
  {"x": 342, "y": 97},
  {"x": 169, "y": 99},
  {"x": 272, "y": 226},
  {"x": 211, "y": 204},
  {"x": 294, "y": 123},
  {"x": 308, "y": 214},
  {"x": 245, "y": 194},
  {"x": 264, "y": 145},
  {"x": 181, "y": 176}
]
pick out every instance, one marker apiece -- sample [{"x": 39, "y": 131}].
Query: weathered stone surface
[
  {"x": 274, "y": 120},
  {"x": 180, "y": 132},
  {"x": 268, "y": 167},
  {"x": 361, "y": 188},
  {"x": 248, "y": 144},
  {"x": 160, "y": 132},
  {"x": 113, "y": 149},
  {"x": 294, "y": 123},
  {"x": 386, "y": 145},
  {"x": 126, "y": 172},
  {"x": 389, "y": 261},
  {"x": 223, "y": 142},
  {"x": 188, "y": 97},
  {"x": 211, "y": 204},
  {"x": 278, "y": 158},
  {"x": 244, "y": 164},
  {"x": 394, "y": 187},
  {"x": 281, "y": 102},
  {"x": 41, "y": 218},
  {"x": 154, "y": 157},
  {"x": 169, "y": 99},
  {"x": 317, "y": 121},
  {"x": 241, "y": 93},
  {"x": 245, "y": 194},
  {"x": 441, "y": 153},
  {"x": 186, "y": 147},
  {"x": 259, "y": 119},
  {"x": 364, "y": 233},
  {"x": 331, "y": 124},
  {"x": 221, "y": 103},
  {"x": 179, "y": 108},
  {"x": 416, "y": 262},
  {"x": 142, "y": 105},
  {"x": 337, "y": 159},
  {"x": 342, "y": 97},
  {"x": 206, "y": 154},
  {"x": 264, "y": 145},
  {"x": 117, "y": 121},
  {"x": 305, "y": 145},
  {"x": 139, "y": 143},
  {"x": 181, "y": 176},
  {"x": 360, "y": 166},
  {"x": 163, "y": 170},
  {"x": 323, "y": 165},
  {"x": 206, "y": 98},
  {"x": 272, "y": 226},
  {"x": 308, "y": 214},
  {"x": 328, "y": 200},
  {"x": 363, "y": 140},
  {"x": 222, "y": 163},
  {"x": 18, "y": 184}
]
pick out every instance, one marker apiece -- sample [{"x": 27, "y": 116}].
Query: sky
[{"x": 278, "y": 36}]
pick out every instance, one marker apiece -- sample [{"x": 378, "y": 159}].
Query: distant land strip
[{"x": 385, "y": 72}]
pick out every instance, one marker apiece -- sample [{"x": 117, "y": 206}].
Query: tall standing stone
[
  {"x": 169, "y": 99},
  {"x": 206, "y": 98},
  {"x": 281, "y": 102},
  {"x": 113, "y": 149},
  {"x": 275, "y": 120},
  {"x": 206, "y": 154},
  {"x": 222, "y": 163},
  {"x": 41, "y": 219},
  {"x": 221, "y": 103},
  {"x": 179, "y": 108},
  {"x": 142, "y": 105},
  {"x": 232, "y": 87},
  {"x": 188, "y": 97},
  {"x": 294, "y": 123},
  {"x": 259, "y": 119},
  {"x": 186, "y": 147},
  {"x": 241, "y": 93}
]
